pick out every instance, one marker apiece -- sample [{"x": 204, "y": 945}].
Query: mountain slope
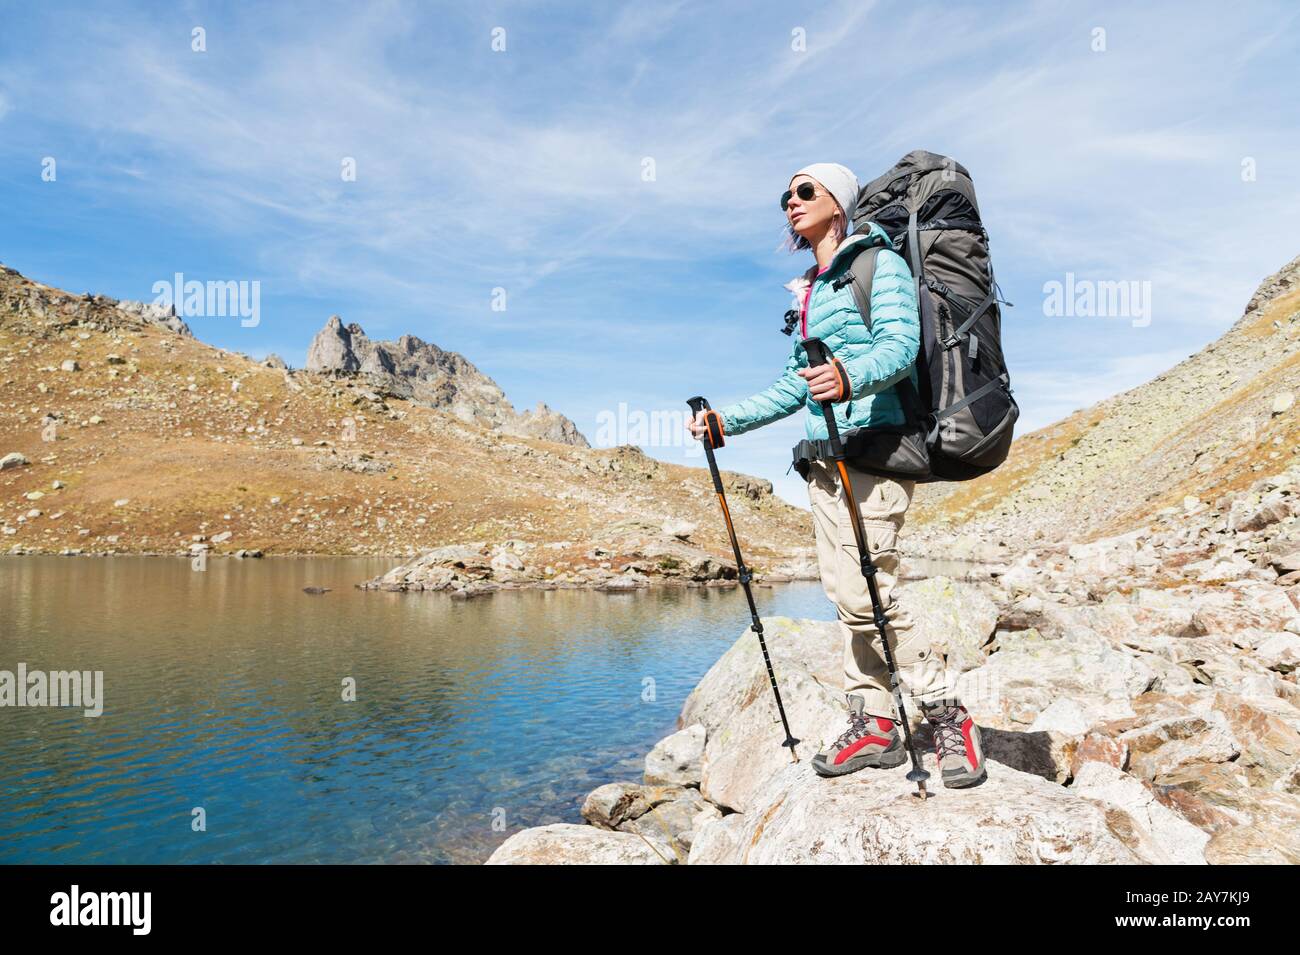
[
  {"x": 151, "y": 437},
  {"x": 1209, "y": 425}
]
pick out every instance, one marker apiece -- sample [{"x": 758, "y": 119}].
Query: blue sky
[{"x": 522, "y": 169}]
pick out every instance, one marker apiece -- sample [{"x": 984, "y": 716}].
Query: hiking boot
[
  {"x": 956, "y": 744},
  {"x": 869, "y": 741}
]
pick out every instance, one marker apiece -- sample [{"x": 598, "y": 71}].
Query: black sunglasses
[{"x": 805, "y": 191}]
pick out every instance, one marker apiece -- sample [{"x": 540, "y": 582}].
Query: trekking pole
[
  {"x": 713, "y": 439},
  {"x": 819, "y": 354}
]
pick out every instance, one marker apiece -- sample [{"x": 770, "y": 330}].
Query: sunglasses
[{"x": 805, "y": 191}]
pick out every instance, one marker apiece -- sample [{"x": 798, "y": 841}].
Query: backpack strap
[{"x": 860, "y": 274}]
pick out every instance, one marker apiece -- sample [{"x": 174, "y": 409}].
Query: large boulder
[
  {"x": 875, "y": 818},
  {"x": 1029, "y": 673},
  {"x": 735, "y": 705},
  {"x": 1167, "y": 836},
  {"x": 959, "y": 618},
  {"x": 566, "y": 844},
  {"x": 675, "y": 759}
]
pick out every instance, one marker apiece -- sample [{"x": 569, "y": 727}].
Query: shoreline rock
[{"x": 1137, "y": 696}]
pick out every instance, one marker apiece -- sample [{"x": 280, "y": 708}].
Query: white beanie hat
[{"x": 838, "y": 180}]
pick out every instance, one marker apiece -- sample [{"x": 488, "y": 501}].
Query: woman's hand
[
  {"x": 823, "y": 382},
  {"x": 697, "y": 427}
]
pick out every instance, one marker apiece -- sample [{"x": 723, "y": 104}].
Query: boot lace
[
  {"x": 857, "y": 727},
  {"x": 947, "y": 733}
]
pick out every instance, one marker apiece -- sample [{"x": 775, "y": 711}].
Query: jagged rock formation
[
  {"x": 422, "y": 372},
  {"x": 44, "y": 303}
]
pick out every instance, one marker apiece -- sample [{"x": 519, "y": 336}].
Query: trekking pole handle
[
  {"x": 819, "y": 354},
  {"x": 712, "y": 420},
  {"x": 714, "y": 433}
]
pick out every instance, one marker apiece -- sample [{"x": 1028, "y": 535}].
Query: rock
[
  {"x": 1271, "y": 837},
  {"x": 1169, "y": 838},
  {"x": 1282, "y": 403},
  {"x": 675, "y": 760},
  {"x": 69, "y": 365},
  {"x": 717, "y": 841},
  {"x": 1280, "y": 652},
  {"x": 222, "y": 537},
  {"x": 614, "y": 804},
  {"x": 735, "y": 705},
  {"x": 13, "y": 460},
  {"x": 316, "y": 590},
  {"x": 155, "y": 314},
  {"x": 1247, "y": 516},
  {"x": 1098, "y": 748},
  {"x": 1161, "y": 747},
  {"x": 1062, "y": 716},
  {"x": 566, "y": 844},
  {"x": 958, "y": 618},
  {"x": 1266, "y": 731},
  {"x": 682, "y": 530},
  {"x": 1030, "y": 672},
  {"x": 874, "y": 818},
  {"x": 671, "y": 823},
  {"x": 426, "y": 374}
]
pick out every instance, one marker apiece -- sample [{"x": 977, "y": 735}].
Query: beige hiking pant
[{"x": 882, "y": 503}]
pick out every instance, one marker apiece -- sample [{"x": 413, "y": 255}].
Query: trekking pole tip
[{"x": 920, "y": 776}]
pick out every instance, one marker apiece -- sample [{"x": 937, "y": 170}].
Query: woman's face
[{"x": 810, "y": 218}]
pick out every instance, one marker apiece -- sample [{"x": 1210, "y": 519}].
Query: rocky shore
[
  {"x": 1137, "y": 697},
  {"x": 632, "y": 555}
]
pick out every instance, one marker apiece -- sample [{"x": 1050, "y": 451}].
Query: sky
[{"x": 582, "y": 199}]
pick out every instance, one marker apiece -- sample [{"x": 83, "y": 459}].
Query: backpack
[{"x": 926, "y": 205}]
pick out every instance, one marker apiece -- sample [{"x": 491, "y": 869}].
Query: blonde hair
[{"x": 794, "y": 242}]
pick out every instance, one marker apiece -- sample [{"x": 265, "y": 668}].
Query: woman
[{"x": 876, "y": 361}]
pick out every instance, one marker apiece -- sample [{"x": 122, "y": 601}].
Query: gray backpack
[{"x": 926, "y": 205}]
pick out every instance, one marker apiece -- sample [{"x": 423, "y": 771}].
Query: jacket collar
[{"x": 850, "y": 247}]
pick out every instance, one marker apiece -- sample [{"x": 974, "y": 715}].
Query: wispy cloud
[{"x": 527, "y": 170}]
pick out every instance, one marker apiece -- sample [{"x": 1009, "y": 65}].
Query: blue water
[{"x": 223, "y": 690}]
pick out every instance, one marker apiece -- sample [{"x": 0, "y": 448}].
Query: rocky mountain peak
[{"x": 420, "y": 371}]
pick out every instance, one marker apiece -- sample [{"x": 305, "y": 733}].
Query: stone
[
  {"x": 567, "y": 844},
  {"x": 13, "y": 460},
  {"x": 682, "y": 530},
  {"x": 958, "y": 618},
  {"x": 613, "y": 804},
  {"x": 871, "y": 818},
  {"x": 1169, "y": 838},
  {"x": 675, "y": 760},
  {"x": 1163, "y": 746},
  {"x": 1280, "y": 652}
]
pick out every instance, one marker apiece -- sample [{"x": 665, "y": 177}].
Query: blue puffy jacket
[{"x": 876, "y": 360}]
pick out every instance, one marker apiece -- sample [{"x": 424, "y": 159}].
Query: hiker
[{"x": 865, "y": 380}]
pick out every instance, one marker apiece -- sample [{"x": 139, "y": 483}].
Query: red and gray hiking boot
[
  {"x": 869, "y": 741},
  {"x": 956, "y": 744}
]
